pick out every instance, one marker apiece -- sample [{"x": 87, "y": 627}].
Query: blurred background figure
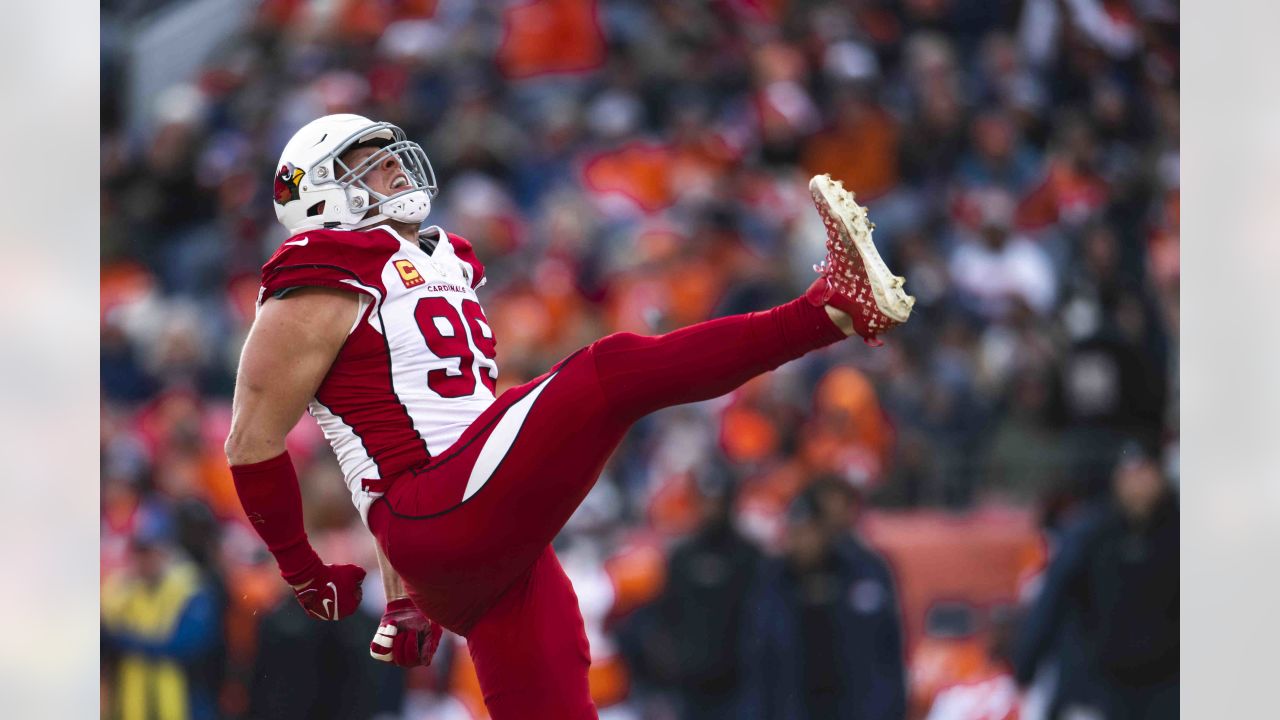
[
  {"x": 698, "y": 646},
  {"x": 825, "y": 639},
  {"x": 1114, "y": 579},
  {"x": 160, "y": 626},
  {"x": 302, "y": 673},
  {"x": 990, "y": 692}
]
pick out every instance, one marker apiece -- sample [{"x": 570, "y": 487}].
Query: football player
[{"x": 372, "y": 324}]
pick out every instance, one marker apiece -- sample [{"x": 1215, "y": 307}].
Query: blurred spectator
[
  {"x": 198, "y": 534},
  {"x": 702, "y": 611},
  {"x": 1115, "y": 574},
  {"x": 998, "y": 159},
  {"x": 1072, "y": 190},
  {"x": 994, "y": 269},
  {"x": 160, "y": 624},
  {"x": 1111, "y": 385},
  {"x": 861, "y": 149},
  {"x": 825, "y": 637},
  {"x": 321, "y": 671},
  {"x": 990, "y": 692},
  {"x": 1026, "y": 450}
]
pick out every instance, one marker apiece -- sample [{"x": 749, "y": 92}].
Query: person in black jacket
[
  {"x": 311, "y": 671},
  {"x": 825, "y": 636},
  {"x": 696, "y": 650},
  {"x": 1115, "y": 579}
]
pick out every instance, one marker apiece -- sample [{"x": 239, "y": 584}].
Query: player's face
[{"x": 387, "y": 178}]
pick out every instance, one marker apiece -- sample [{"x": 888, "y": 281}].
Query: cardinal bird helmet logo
[{"x": 286, "y": 185}]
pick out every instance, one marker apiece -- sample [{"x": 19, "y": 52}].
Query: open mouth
[{"x": 400, "y": 182}]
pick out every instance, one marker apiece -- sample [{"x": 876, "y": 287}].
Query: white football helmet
[{"x": 314, "y": 189}]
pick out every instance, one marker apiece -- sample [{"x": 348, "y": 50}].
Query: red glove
[
  {"x": 332, "y": 594},
  {"x": 405, "y": 636},
  {"x": 268, "y": 491}
]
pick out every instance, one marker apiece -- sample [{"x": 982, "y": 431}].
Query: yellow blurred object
[{"x": 147, "y": 688}]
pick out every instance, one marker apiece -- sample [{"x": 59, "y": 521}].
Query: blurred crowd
[{"x": 631, "y": 166}]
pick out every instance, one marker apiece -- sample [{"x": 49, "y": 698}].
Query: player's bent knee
[
  {"x": 618, "y": 359},
  {"x": 619, "y": 342},
  {"x": 620, "y": 353}
]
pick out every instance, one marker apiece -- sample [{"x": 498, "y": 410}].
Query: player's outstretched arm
[{"x": 290, "y": 347}]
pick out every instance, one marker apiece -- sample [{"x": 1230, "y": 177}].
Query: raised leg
[
  {"x": 641, "y": 374},
  {"x": 510, "y": 491}
]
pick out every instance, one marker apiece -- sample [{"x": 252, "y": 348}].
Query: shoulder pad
[
  {"x": 329, "y": 258},
  {"x": 466, "y": 253}
]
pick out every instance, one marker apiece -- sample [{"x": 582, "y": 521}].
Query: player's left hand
[
  {"x": 405, "y": 636},
  {"x": 333, "y": 594}
]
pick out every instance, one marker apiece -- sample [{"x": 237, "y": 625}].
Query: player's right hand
[
  {"x": 405, "y": 636},
  {"x": 332, "y": 594}
]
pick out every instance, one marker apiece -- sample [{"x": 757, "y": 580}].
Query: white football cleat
[{"x": 854, "y": 279}]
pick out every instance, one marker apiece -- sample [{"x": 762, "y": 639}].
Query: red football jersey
[{"x": 419, "y": 363}]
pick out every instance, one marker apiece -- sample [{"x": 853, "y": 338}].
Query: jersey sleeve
[
  {"x": 342, "y": 260},
  {"x": 463, "y": 250}
]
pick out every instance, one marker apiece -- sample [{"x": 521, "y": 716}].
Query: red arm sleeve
[{"x": 269, "y": 494}]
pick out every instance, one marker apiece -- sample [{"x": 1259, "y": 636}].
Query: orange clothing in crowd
[
  {"x": 550, "y": 36},
  {"x": 1066, "y": 194},
  {"x": 639, "y": 171},
  {"x": 862, "y": 153}
]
